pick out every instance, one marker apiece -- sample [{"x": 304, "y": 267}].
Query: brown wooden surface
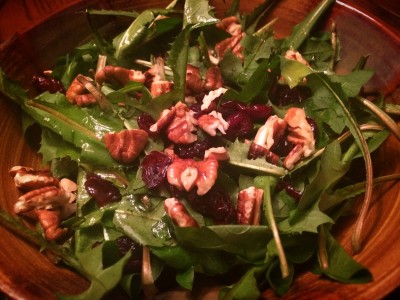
[{"x": 26, "y": 274}]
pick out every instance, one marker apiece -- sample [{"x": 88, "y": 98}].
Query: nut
[
  {"x": 166, "y": 117},
  {"x": 75, "y": 89},
  {"x": 181, "y": 174},
  {"x": 29, "y": 179},
  {"x": 126, "y": 145},
  {"x": 50, "y": 222},
  {"x": 69, "y": 187},
  {"x": 194, "y": 82},
  {"x": 158, "y": 88},
  {"x": 180, "y": 130},
  {"x": 43, "y": 198},
  {"x": 211, "y": 96},
  {"x": 295, "y": 55},
  {"x": 119, "y": 75},
  {"x": 272, "y": 130},
  {"x": 248, "y": 207},
  {"x": 213, "y": 121},
  {"x": 213, "y": 79},
  {"x": 218, "y": 153},
  {"x": 178, "y": 213},
  {"x": 85, "y": 100}
]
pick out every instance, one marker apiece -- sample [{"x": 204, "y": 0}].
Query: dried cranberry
[
  {"x": 314, "y": 126},
  {"x": 47, "y": 84},
  {"x": 258, "y": 111},
  {"x": 196, "y": 109},
  {"x": 102, "y": 190},
  {"x": 290, "y": 189},
  {"x": 195, "y": 149},
  {"x": 282, "y": 147},
  {"x": 282, "y": 94},
  {"x": 154, "y": 168},
  {"x": 229, "y": 107},
  {"x": 240, "y": 125},
  {"x": 145, "y": 121},
  {"x": 216, "y": 204},
  {"x": 134, "y": 264}
]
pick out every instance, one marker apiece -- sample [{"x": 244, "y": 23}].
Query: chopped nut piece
[
  {"x": 213, "y": 121},
  {"x": 213, "y": 79},
  {"x": 76, "y": 89},
  {"x": 296, "y": 55},
  {"x": 273, "y": 128},
  {"x": 69, "y": 187},
  {"x": 178, "y": 213},
  {"x": 248, "y": 207},
  {"x": 166, "y": 117},
  {"x": 126, "y": 145},
  {"x": 194, "y": 82},
  {"x": 211, "y": 96},
  {"x": 218, "y": 153}
]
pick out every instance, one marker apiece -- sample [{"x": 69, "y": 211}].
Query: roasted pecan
[
  {"x": 296, "y": 55},
  {"x": 43, "y": 198},
  {"x": 211, "y": 97},
  {"x": 230, "y": 24},
  {"x": 218, "y": 153},
  {"x": 50, "y": 221},
  {"x": 126, "y": 145},
  {"x": 161, "y": 87},
  {"x": 213, "y": 121},
  {"x": 119, "y": 75},
  {"x": 69, "y": 187},
  {"x": 188, "y": 173},
  {"x": 85, "y": 100},
  {"x": 257, "y": 151},
  {"x": 194, "y": 82},
  {"x": 76, "y": 89},
  {"x": 28, "y": 179},
  {"x": 181, "y": 129},
  {"x": 166, "y": 117},
  {"x": 178, "y": 213},
  {"x": 213, "y": 79},
  {"x": 300, "y": 131},
  {"x": 231, "y": 43},
  {"x": 273, "y": 129},
  {"x": 248, "y": 206}
]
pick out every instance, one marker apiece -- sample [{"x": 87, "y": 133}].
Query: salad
[{"x": 189, "y": 146}]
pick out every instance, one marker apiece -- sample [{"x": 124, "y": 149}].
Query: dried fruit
[
  {"x": 134, "y": 264},
  {"x": 240, "y": 125},
  {"x": 154, "y": 168},
  {"x": 48, "y": 84},
  {"x": 145, "y": 121},
  {"x": 195, "y": 149},
  {"x": 216, "y": 204},
  {"x": 102, "y": 191}
]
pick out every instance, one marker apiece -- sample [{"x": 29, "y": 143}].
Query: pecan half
[
  {"x": 300, "y": 134},
  {"x": 185, "y": 174},
  {"x": 76, "y": 89},
  {"x": 166, "y": 117},
  {"x": 181, "y": 129},
  {"x": 43, "y": 198},
  {"x": 248, "y": 207},
  {"x": 119, "y": 75},
  {"x": 213, "y": 79},
  {"x": 178, "y": 213},
  {"x": 126, "y": 145},
  {"x": 194, "y": 82},
  {"x": 50, "y": 221},
  {"x": 28, "y": 179}
]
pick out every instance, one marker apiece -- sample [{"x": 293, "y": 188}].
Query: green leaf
[
  {"x": 185, "y": 278},
  {"x": 246, "y": 287},
  {"x": 302, "y": 30},
  {"x": 293, "y": 71},
  {"x": 251, "y": 20},
  {"x": 352, "y": 83},
  {"x": 277, "y": 283},
  {"x": 197, "y": 14},
  {"x": 238, "y": 157},
  {"x": 126, "y": 41},
  {"x": 101, "y": 280},
  {"x": 12, "y": 89},
  {"x": 342, "y": 267}
]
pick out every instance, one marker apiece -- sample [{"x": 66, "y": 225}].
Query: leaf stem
[
  {"x": 382, "y": 115},
  {"x": 322, "y": 251},
  {"x": 63, "y": 118},
  {"x": 275, "y": 232}
]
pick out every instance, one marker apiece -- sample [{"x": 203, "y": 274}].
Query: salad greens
[{"x": 291, "y": 231}]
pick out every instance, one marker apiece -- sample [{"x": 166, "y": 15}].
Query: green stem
[
  {"x": 322, "y": 251},
  {"x": 275, "y": 232}
]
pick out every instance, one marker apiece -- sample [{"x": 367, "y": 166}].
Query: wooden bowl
[{"x": 27, "y": 274}]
